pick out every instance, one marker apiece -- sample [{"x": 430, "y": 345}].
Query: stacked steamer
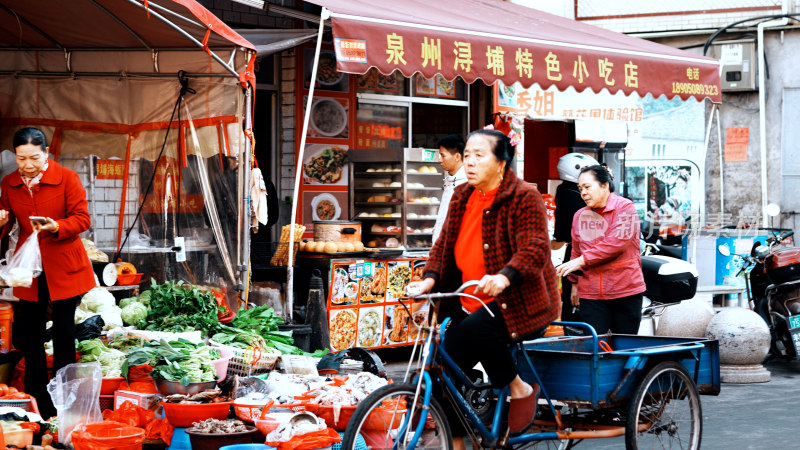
[{"x": 334, "y": 236}]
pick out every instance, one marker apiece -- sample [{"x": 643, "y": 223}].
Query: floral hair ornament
[{"x": 509, "y": 125}]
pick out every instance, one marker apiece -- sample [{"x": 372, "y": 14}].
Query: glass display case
[{"x": 395, "y": 194}]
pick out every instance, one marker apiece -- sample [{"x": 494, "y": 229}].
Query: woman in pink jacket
[{"x": 605, "y": 247}]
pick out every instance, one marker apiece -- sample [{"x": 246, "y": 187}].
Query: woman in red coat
[
  {"x": 41, "y": 187},
  {"x": 496, "y": 233}
]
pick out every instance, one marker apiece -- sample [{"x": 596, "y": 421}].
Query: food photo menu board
[
  {"x": 366, "y": 304},
  {"x": 324, "y": 183}
]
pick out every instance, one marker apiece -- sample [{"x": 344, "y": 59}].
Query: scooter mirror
[
  {"x": 761, "y": 252},
  {"x": 773, "y": 209},
  {"x": 724, "y": 250}
]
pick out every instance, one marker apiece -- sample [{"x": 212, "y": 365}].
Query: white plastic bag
[
  {"x": 25, "y": 264},
  {"x": 75, "y": 391}
]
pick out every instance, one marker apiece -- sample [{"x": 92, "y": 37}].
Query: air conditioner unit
[{"x": 738, "y": 60}]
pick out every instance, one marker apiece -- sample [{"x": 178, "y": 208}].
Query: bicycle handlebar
[{"x": 457, "y": 293}]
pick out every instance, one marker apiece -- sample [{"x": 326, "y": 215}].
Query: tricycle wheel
[
  {"x": 381, "y": 416},
  {"x": 666, "y": 410}
]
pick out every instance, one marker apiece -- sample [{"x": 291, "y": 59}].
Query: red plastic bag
[
  {"x": 107, "y": 436},
  {"x": 309, "y": 441},
  {"x": 139, "y": 379},
  {"x": 159, "y": 429},
  {"x": 130, "y": 414}
]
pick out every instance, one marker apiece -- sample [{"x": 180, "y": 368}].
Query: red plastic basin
[{"x": 185, "y": 414}]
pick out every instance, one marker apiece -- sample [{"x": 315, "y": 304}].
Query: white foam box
[{"x": 137, "y": 398}]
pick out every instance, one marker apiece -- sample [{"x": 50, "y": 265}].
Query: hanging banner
[
  {"x": 537, "y": 103},
  {"x": 451, "y": 38},
  {"x": 736, "y": 140},
  {"x": 109, "y": 169}
]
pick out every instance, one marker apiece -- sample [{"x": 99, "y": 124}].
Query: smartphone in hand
[{"x": 41, "y": 220}]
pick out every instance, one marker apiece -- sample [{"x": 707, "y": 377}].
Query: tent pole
[
  {"x": 90, "y": 163},
  {"x": 244, "y": 249},
  {"x": 298, "y": 171},
  {"x": 709, "y": 126},
  {"x": 721, "y": 163}
]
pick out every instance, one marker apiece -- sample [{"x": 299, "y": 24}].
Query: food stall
[
  {"x": 150, "y": 102},
  {"x": 416, "y": 50}
]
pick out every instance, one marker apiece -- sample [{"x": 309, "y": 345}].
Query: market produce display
[
  {"x": 258, "y": 328},
  {"x": 181, "y": 361},
  {"x": 208, "y": 396},
  {"x": 219, "y": 426}
]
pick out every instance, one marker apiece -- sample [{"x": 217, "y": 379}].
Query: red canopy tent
[{"x": 100, "y": 77}]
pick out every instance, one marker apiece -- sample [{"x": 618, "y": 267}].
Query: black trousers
[
  {"x": 479, "y": 337},
  {"x": 31, "y": 318},
  {"x": 473, "y": 338},
  {"x": 619, "y": 315}
]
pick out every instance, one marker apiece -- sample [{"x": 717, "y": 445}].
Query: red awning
[{"x": 494, "y": 40}]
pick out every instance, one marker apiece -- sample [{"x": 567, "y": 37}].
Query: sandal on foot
[{"x": 521, "y": 411}]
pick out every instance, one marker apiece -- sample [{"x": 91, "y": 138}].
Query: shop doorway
[{"x": 265, "y": 130}]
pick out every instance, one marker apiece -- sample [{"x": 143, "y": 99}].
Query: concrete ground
[{"x": 743, "y": 416}]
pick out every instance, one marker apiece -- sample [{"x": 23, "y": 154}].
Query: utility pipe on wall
[{"x": 762, "y": 111}]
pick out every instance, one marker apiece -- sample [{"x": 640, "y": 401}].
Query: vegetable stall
[{"x": 174, "y": 346}]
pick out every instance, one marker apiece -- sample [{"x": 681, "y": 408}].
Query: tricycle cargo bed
[{"x": 578, "y": 371}]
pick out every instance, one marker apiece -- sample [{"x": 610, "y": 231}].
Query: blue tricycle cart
[{"x": 646, "y": 388}]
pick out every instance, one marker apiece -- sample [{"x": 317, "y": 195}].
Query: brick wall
[
  {"x": 287, "y": 129},
  {"x": 239, "y": 15},
  {"x": 106, "y": 203}
]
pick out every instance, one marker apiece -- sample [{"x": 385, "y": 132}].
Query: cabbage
[
  {"x": 144, "y": 297},
  {"x": 90, "y": 349},
  {"x": 81, "y": 315},
  {"x": 127, "y": 301},
  {"x": 110, "y": 359},
  {"x": 111, "y": 316},
  {"x": 134, "y": 313},
  {"x": 111, "y": 363},
  {"x": 97, "y": 297}
]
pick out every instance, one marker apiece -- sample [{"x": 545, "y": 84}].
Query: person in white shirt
[{"x": 451, "y": 157}]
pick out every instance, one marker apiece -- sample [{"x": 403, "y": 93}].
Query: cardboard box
[{"x": 137, "y": 398}]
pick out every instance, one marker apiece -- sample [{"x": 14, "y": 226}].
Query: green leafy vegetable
[
  {"x": 262, "y": 322},
  {"x": 177, "y": 307},
  {"x": 144, "y": 297}
]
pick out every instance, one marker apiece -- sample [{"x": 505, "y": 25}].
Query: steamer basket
[{"x": 337, "y": 231}]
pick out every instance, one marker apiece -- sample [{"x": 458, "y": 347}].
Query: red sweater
[{"x": 469, "y": 246}]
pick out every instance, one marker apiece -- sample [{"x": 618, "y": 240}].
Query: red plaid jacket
[{"x": 516, "y": 244}]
